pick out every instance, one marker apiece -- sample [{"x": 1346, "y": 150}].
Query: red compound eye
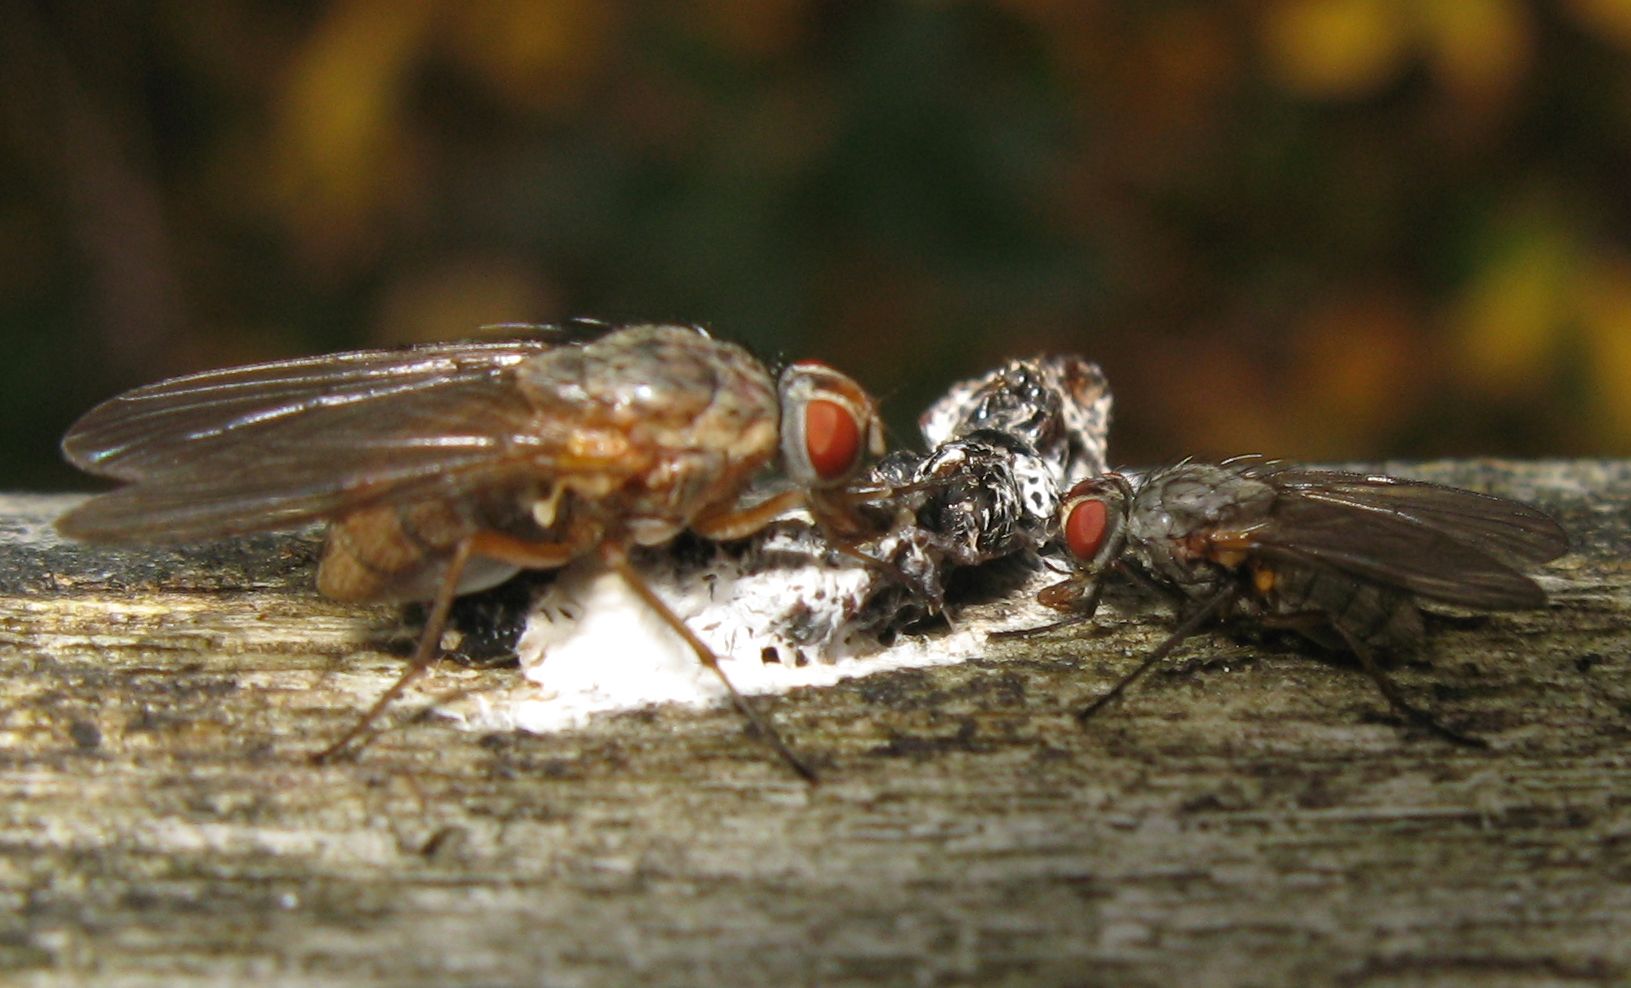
[
  {"x": 832, "y": 438},
  {"x": 1085, "y": 527}
]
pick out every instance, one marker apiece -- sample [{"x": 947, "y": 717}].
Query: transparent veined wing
[
  {"x": 170, "y": 426},
  {"x": 1510, "y": 529},
  {"x": 274, "y": 445},
  {"x": 1443, "y": 543}
]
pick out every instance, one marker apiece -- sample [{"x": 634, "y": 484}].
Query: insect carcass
[
  {"x": 442, "y": 469},
  {"x": 1341, "y": 558}
]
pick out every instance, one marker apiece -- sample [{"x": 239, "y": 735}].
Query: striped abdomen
[
  {"x": 1367, "y": 613},
  {"x": 399, "y": 552}
]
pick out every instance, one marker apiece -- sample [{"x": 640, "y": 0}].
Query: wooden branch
[{"x": 1249, "y": 814}]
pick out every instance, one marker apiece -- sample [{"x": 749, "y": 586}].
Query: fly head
[{"x": 1093, "y": 526}]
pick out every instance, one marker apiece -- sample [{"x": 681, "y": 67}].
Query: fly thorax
[
  {"x": 658, "y": 390},
  {"x": 1201, "y": 496},
  {"x": 695, "y": 481},
  {"x": 736, "y": 432},
  {"x": 1195, "y": 577}
]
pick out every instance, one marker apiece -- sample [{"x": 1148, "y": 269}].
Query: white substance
[{"x": 592, "y": 646}]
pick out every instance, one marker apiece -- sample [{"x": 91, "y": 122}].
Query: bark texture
[{"x": 1251, "y": 814}]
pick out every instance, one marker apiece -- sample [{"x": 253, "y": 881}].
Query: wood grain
[{"x": 1252, "y": 814}]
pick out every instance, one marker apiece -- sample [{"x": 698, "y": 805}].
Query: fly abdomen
[
  {"x": 1358, "y": 611},
  {"x": 399, "y": 552}
]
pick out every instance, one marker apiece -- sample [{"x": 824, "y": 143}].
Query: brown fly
[
  {"x": 443, "y": 469},
  {"x": 1340, "y": 558}
]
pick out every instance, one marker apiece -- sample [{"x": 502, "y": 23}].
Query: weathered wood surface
[{"x": 1254, "y": 815}]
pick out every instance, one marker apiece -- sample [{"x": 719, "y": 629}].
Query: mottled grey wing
[
  {"x": 275, "y": 445},
  {"x": 1443, "y": 543}
]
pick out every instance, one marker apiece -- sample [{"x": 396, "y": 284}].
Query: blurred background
[{"x": 1317, "y": 229}]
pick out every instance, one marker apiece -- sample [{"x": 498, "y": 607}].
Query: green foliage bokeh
[{"x": 1316, "y": 229}]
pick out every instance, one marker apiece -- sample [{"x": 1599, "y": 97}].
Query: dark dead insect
[
  {"x": 1340, "y": 558},
  {"x": 443, "y": 469},
  {"x": 1001, "y": 448}
]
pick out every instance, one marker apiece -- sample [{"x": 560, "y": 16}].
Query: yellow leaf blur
[
  {"x": 1220, "y": 396},
  {"x": 340, "y": 110},
  {"x": 533, "y": 53},
  {"x": 1481, "y": 48},
  {"x": 1605, "y": 316},
  {"x": 1609, "y": 18},
  {"x": 455, "y": 297},
  {"x": 1505, "y": 326},
  {"x": 1361, "y": 368},
  {"x": 1336, "y": 49}
]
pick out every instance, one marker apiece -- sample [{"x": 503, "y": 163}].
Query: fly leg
[
  {"x": 1069, "y": 621},
  {"x": 616, "y": 559},
  {"x": 1078, "y": 595},
  {"x": 423, "y": 652},
  {"x": 1367, "y": 662},
  {"x": 490, "y": 544},
  {"x": 1214, "y": 606},
  {"x": 844, "y": 530},
  {"x": 739, "y": 521}
]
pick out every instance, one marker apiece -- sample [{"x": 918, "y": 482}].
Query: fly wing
[
  {"x": 1511, "y": 529},
  {"x": 274, "y": 445},
  {"x": 166, "y": 427},
  {"x": 1443, "y": 543}
]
